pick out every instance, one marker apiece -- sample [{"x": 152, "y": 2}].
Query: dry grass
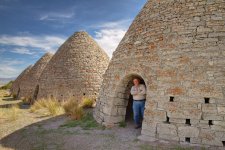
[
  {"x": 2, "y": 114},
  {"x": 87, "y": 102},
  {"x": 48, "y": 106},
  {"x": 3, "y": 93},
  {"x": 13, "y": 113},
  {"x": 73, "y": 109},
  {"x": 10, "y": 114}
]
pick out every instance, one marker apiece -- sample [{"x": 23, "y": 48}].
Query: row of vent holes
[
  {"x": 83, "y": 94},
  {"x": 187, "y": 122},
  {"x": 73, "y": 95},
  {"x": 206, "y": 99}
]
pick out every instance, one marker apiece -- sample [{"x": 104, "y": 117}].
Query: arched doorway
[{"x": 123, "y": 92}]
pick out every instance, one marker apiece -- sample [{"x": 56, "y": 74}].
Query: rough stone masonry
[
  {"x": 178, "y": 48},
  {"x": 29, "y": 86},
  {"x": 75, "y": 71},
  {"x": 15, "y": 89}
]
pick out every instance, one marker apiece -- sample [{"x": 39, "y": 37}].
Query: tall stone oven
[
  {"x": 75, "y": 71},
  {"x": 178, "y": 48}
]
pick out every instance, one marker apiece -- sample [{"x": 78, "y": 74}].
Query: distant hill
[{"x": 3, "y": 81}]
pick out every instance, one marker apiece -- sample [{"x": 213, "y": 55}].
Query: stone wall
[
  {"x": 15, "y": 90},
  {"x": 75, "y": 71},
  {"x": 28, "y": 86},
  {"x": 178, "y": 48}
]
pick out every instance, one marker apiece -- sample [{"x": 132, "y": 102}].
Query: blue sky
[{"x": 30, "y": 28}]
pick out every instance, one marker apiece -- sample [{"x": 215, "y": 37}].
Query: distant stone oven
[
  {"x": 15, "y": 89},
  {"x": 29, "y": 86},
  {"x": 75, "y": 70},
  {"x": 178, "y": 49}
]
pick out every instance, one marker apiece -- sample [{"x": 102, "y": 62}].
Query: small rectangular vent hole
[
  {"x": 223, "y": 143},
  {"x": 168, "y": 120},
  {"x": 207, "y": 100},
  {"x": 171, "y": 99},
  {"x": 210, "y": 122},
  {"x": 187, "y": 139},
  {"x": 188, "y": 122}
]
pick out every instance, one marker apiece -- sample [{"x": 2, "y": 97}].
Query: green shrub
[
  {"x": 86, "y": 122},
  {"x": 14, "y": 96},
  {"x": 7, "y": 86},
  {"x": 122, "y": 124}
]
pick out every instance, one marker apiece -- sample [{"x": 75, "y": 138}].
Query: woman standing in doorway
[{"x": 138, "y": 91}]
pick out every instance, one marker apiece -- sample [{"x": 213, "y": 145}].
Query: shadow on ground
[
  {"x": 51, "y": 134},
  {"x": 35, "y": 136}
]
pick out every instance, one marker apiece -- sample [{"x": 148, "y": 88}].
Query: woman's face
[{"x": 136, "y": 82}]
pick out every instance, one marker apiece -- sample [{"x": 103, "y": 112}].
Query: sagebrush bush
[
  {"x": 52, "y": 106},
  {"x": 14, "y": 96},
  {"x": 7, "y": 86},
  {"x": 73, "y": 109}
]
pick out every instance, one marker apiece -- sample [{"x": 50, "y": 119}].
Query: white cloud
[
  {"x": 109, "y": 39},
  {"x": 110, "y": 34},
  {"x": 8, "y": 68},
  {"x": 44, "y": 43},
  {"x": 22, "y": 50},
  {"x": 114, "y": 24},
  {"x": 56, "y": 16}
]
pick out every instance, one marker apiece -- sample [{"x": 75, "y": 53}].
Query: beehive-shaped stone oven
[
  {"x": 15, "y": 89},
  {"x": 75, "y": 70},
  {"x": 29, "y": 86},
  {"x": 178, "y": 49}
]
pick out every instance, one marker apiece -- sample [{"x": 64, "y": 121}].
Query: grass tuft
[
  {"x": 13, "y": 113},
  {"x": 52, "y": 106},
  {"x": 10, "y": 114},
  {"x": 87, "y": 102},
  {"x": 73, "y": 109}
]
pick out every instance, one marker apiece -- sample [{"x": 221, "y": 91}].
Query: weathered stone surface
[
  {"x": 188, "y": 131},
  {"x": 156, "y": 115},
  {"x": 75, "y": 71},
  {"x": 185, "y": 114},
  {"x": 29, "y": 87},
  {"x": 221, "y": 110},
  {"x": 15, "y": 90},
  {"x": 177, "y": 48},
  {"x": 167, "y": 129},
  {"x": 208, "y": 116},
  {"x": 219, "y": 123},
  {"x": 209, "y": 137},
  {"x": 149, "y": 128}
]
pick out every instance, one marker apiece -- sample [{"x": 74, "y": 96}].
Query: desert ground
[{"x": 20, "y": 129}]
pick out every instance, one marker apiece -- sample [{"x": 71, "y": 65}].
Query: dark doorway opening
[
  {"x": 18, "y": 93},
  {"x": 35, "y": 93},
  {"x": 129, "y": 109}
]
